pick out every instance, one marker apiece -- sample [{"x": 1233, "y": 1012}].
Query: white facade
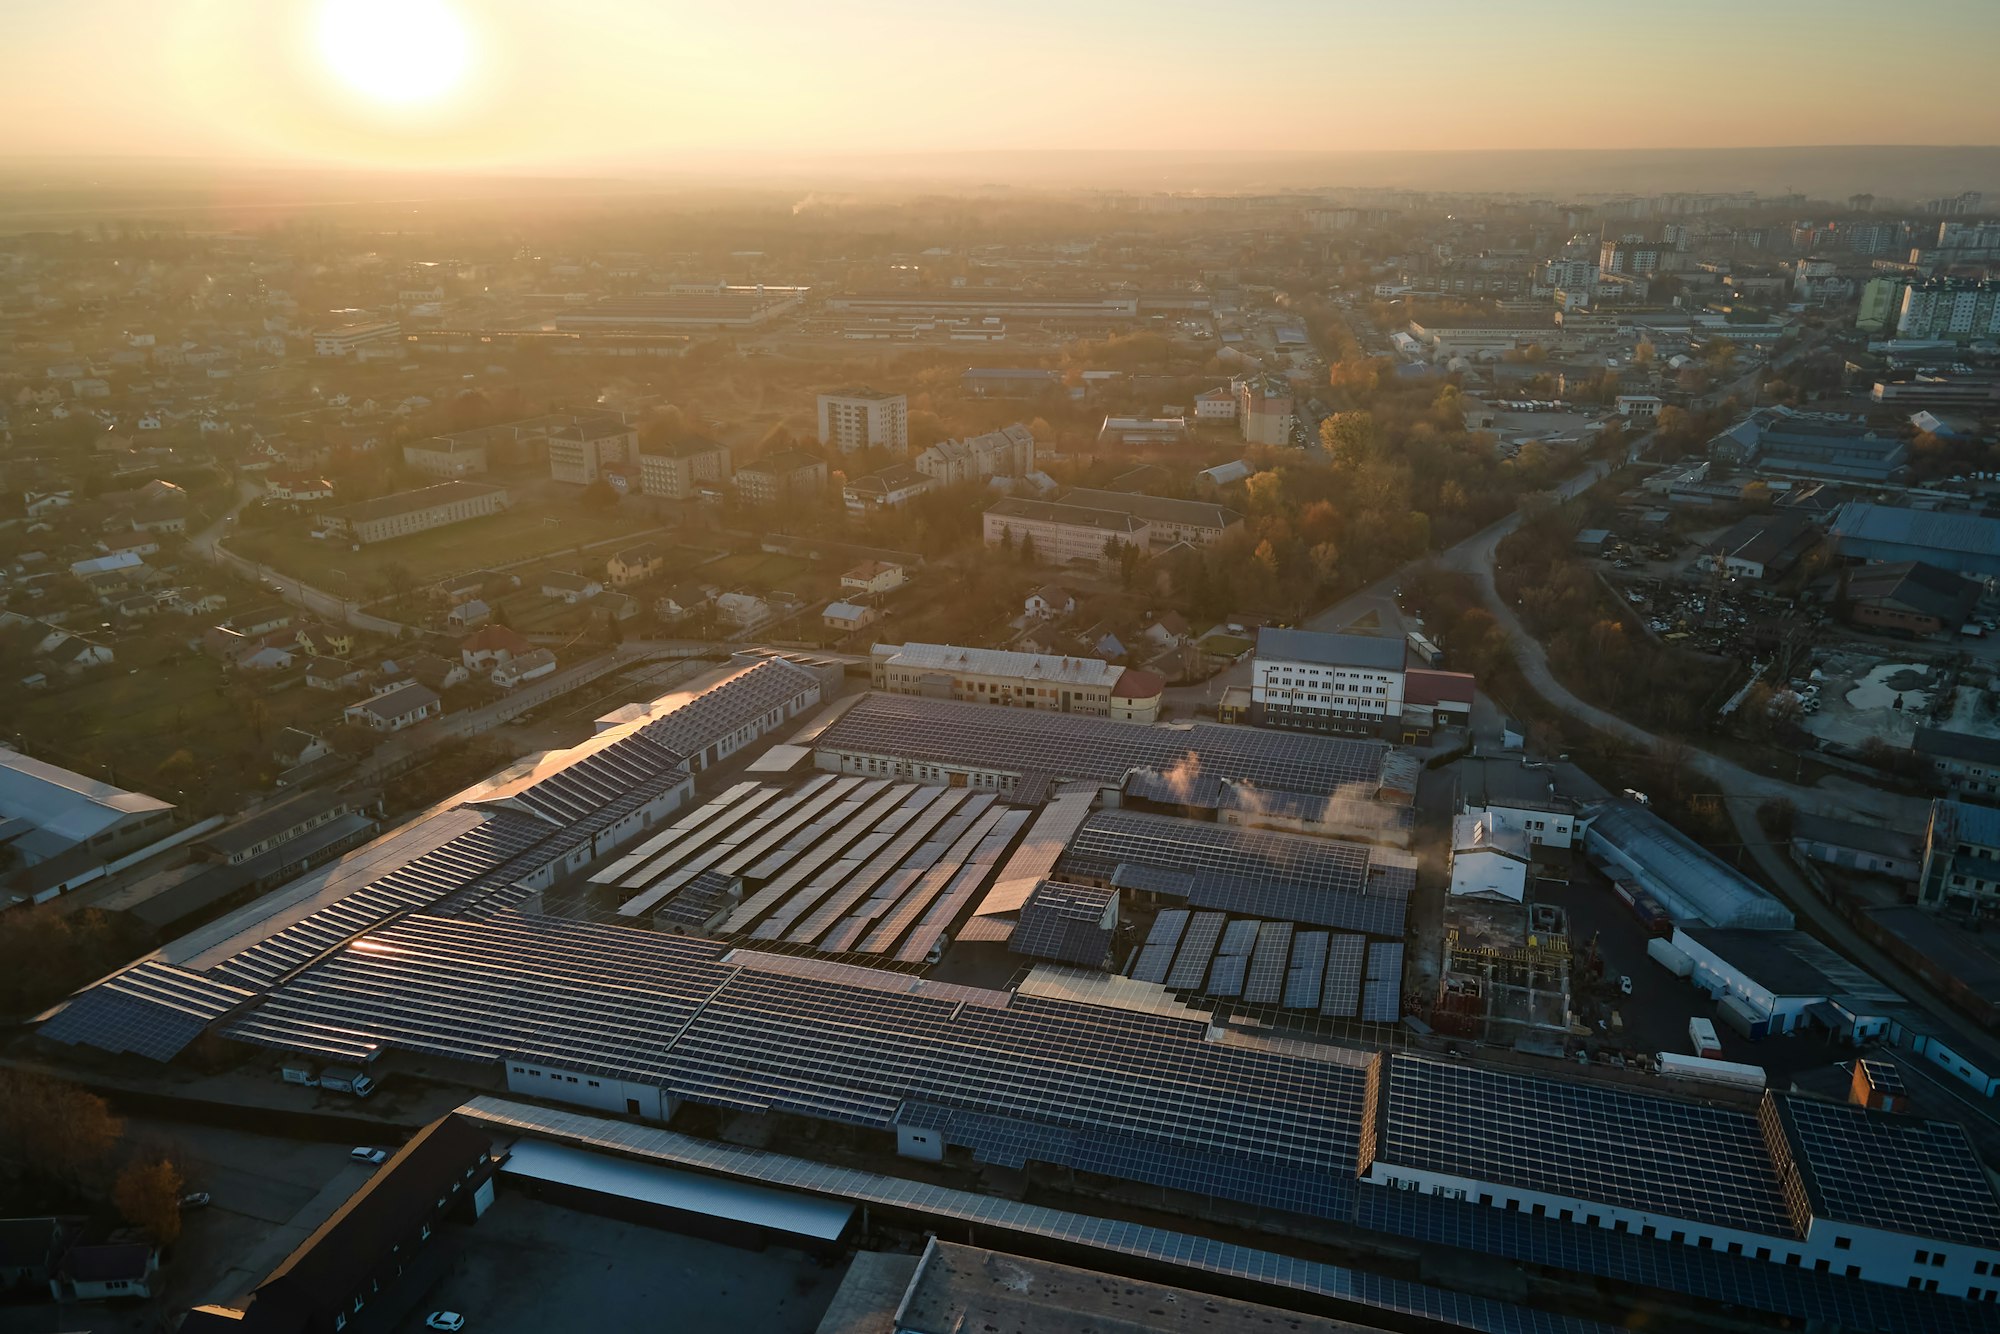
[
  {"x": 1487, "y": 862},
  {"x": 864, "y": 419},
  {"x": 344, "y": 339},
  {"x": 1370, "y": 694},
  {"x": 1947, "y": 309},
  {"x": 1551, "y": 828}
]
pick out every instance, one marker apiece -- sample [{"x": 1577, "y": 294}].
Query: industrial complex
[{"x": 1121, "y": 956}]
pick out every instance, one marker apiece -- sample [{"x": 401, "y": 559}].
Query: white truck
[
  {"x": 346, "y": 1079},
  {"x": 1701, "y": 1035}
]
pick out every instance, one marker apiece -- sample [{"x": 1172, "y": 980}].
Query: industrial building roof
[
  {"x": 1076, "y": 516},
  {"x": 1964, "y": 534},
  {"x": 1791, "y": 963},
  {"x": 1690, "y": 882},
  {"x": 1050, "y": 667},
  {"x": 1943, "y": 743},
  {"x": 62, "y": 804},
  {"x": 1375, "y": 652},
  {"x": 1019, "y": 741},
  {"x": 1154, "y": 509},
  {"x": 412, "y": 502},
  {"x": 1880, "y": 1169}
]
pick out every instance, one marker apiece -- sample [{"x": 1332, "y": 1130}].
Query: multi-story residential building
[
  {"x": 851, "y": 419},
  {"x": 1881, "y": 301},
  {"x": 1007, "y": 452},
  {"x": 1966, "y": 763},
  {"x": 775, "y": 477},
  {"x": 1060, "y": 532},
  {"x": 1638, "y": 257},
  {"x": 579, "y": 453},
  {"x": 678, "y": 471},
  {"x": 1264, "y": 410},
  {"x": 341, "y": 340},
  {"x": 1961, "y": 862},
  {"x": 1952, "y": 308},
  {"x": 1327, "y": 682},
  {"x": 1819, "y": 280},
  {"x": 418, "y": 511},
  {"x": 443, "y": 456},
  {"x": 1045, "y": 681},
  {"x": 1216, "y": 405}
]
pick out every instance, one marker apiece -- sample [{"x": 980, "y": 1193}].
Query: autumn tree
[
  {"x": 54, "y": 1130},
  {"x": 148, "y": 1196}
]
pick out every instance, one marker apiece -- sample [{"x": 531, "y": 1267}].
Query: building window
[{"x": 1843, "y": 1243}]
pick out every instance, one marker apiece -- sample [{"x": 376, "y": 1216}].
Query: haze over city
[{"x": 917, "y": 668}]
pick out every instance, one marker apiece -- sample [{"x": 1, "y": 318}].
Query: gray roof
[
  {"x": 1942, "y": 744},
  {"x": 1970, "y": 534},
  {"x": 1377, "y": 652},
  {"x": 1883, "y": 842},
  {"x": 1791, "y": 963},
  {"x": 1691, "y": 883},
  {"x": 63, "y": 804}
]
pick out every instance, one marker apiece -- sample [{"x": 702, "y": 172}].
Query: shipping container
[
  {"x": 1669, "y": 956},
  {"x": 1701, "y": 1036},
  {"x": 1739, "y": 1016}
]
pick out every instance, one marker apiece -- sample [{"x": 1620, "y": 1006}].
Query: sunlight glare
[{"x": 398, "y": 52}]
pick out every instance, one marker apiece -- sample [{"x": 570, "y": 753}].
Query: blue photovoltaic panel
[
  {"x": 1382, "y": 992},
  {"x": 1266, "y": 981},
  {"x": 1342, "y": 996},
  {"x": 1197, "y": 947},
  {"x": 1157, "y": 955},
  {"x": 1306, "y": 971},
  {"x": 152, "y": 1009}
]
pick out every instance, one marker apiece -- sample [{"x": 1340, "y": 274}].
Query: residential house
[
  {"x": 564, "y": 586},
  {"x": 436, "y": 672},
  {"x": 1051, "y": 602},
  {"x": 861, "y": 418},
  {"x": 333, "y": 674},
  {"x": 396, "y": 708},
  {"x": 491, "y": 646},
  {"x": 873, "y": 577},
  {"x": 474, "y": 612},
  {"x": 847, "y": 617},
  {"x": 635, "y": 565},
  {"x": 330, "y": 640},
  {"x": 745, "y": 611},
  {"x": 528, "y": 667},
  {"x": 294, "y": 747},
  {"x": 112, "y": 1272},
  {"x": 1962, "y": 761}
]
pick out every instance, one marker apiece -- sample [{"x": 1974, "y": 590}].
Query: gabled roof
[{"x": 495, "y": 638}]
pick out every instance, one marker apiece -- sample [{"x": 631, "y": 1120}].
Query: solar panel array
[
  {"x": 600, "y": 778},
  {"x": 1706, "y": 1164},
  {"x": 1644, "y": 1262},
  {"x": 998, "y": 1216},
  {"x": 413, "y": 886},
  {"x": 1266, "y": 983},
  {"x": 1232, "y": 958},
  {"x": 152, "y": 1009},
  {"x": 698, "y": 901},
  {"x": 1305, "y": 971},
  {"x": 1139, "y": 1096},
  {"x": 1341, "y": 997},
  {"x": 1065, "y": 922},
  {"x": 1899, "y": 1173},
  {"x": 1197, "y": 948},
  {"x": 1156, "y": 956},
  {"x": 1382, "y": 990},
  {"x": 980, "y": 736},
  {"x": 1252, "y": 872},
  {"x": 728, "y": 706}
]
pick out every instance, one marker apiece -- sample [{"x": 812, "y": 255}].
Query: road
[{"x": 208, "y": 542}]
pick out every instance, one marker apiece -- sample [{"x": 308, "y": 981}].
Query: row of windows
[{"x": 558, "y": 1078}]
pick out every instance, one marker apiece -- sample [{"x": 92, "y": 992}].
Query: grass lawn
[
  {"x": 132, "y": 722},
  {"x": 757, "y": 570},
  {"x": 530, "y": 530},
  {"x": 1226, "y": 645}
]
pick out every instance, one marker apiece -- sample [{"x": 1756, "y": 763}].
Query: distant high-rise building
[
  {"x": 860, "y": 418},
  {"x": 1956, "y": 205},
  {"x": 1950, "y": 308}
]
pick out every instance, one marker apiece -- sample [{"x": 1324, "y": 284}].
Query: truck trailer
[{"x": 1701, "y": 1036}]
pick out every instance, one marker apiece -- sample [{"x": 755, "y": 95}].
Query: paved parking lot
[{"x": 530, "y": 1267}]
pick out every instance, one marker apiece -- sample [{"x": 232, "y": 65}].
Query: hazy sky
[{"x": 586, "y": 83}]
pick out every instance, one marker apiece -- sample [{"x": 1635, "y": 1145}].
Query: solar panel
[
  {"x": 152, "y": 1009},
  {"x": 1382, "y": 990},
  {"x": 1197, "y": 946},
  {"x": 1306, "y": 970},
  {"x": 1156, "y": 956},
  {"x": 1341, "y": 998},
  {"x": 1701, "y": 1163},
  {"x": 1232, "y": 958},
  {"x": 1016, "y": 741},
  {"x": 1065, "y": 922},
  {"x": 1248, "y": 872},
  {"x": 1266, "y": 981}
]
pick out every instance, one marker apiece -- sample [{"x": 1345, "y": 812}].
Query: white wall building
[
  {"x": 1327, "y": 682},
  {"x": 342, "y": 340},
  {"x": 1488, "y": 861},
  {"x": 853, "y": 419}
]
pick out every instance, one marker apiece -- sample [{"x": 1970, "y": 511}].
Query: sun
[{"x": 396, "y": 52}]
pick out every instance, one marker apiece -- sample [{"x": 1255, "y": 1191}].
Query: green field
[{"x": 526, "y": 532}]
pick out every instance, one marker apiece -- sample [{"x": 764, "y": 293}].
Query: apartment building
[
  {"x": 1954, "y": 308},
  {"x": 443, "y": 456},
  {"x": 861, "y": 418},
  {"x": 1264, "y": 410},
  {"x": 578, "y": 454},
  {"x": 790, "y": 472},
  {"x": 678, "y": 471},
  {"x": 1961, "y": 863},
  {"x": 1007, "y": 452}
]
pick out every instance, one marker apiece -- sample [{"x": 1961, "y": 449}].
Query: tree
[
  {"x": 1349, "y": 437},
  {"x": 148, "y": 1195},
  {"x": 1265, "y": 492},
  {"x": 53, "y": 1130},
  {"x": 1027, "y": 548}
]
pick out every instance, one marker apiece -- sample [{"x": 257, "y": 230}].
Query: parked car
[
  {"x": 198, "y": 1199},
  {"x": 1625, "y": 984},
  {"x": 444, "y": 1320},
  {"x": 364, "y": 1154}
]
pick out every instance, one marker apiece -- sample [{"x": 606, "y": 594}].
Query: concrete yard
[{"x": 529, "y": 1267}]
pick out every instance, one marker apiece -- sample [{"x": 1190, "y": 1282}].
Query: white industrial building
[
  {"x": 1488, "y": 860},
  {"x": 1327, "y": 682},
  {"x": 1519, "y": 797},
  {"x": 1772, "y": 982}
]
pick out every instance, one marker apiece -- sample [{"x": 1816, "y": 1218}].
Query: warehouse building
[
  {"x": 1045, "y": 681},
  {"x": 1629, "y": 843},
  {"x": 1770, "y": 983},
  {"x": 1967, "y": 543},
  {"x": 419, "y": 511},
  {"x": 52, "y": 817}
]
